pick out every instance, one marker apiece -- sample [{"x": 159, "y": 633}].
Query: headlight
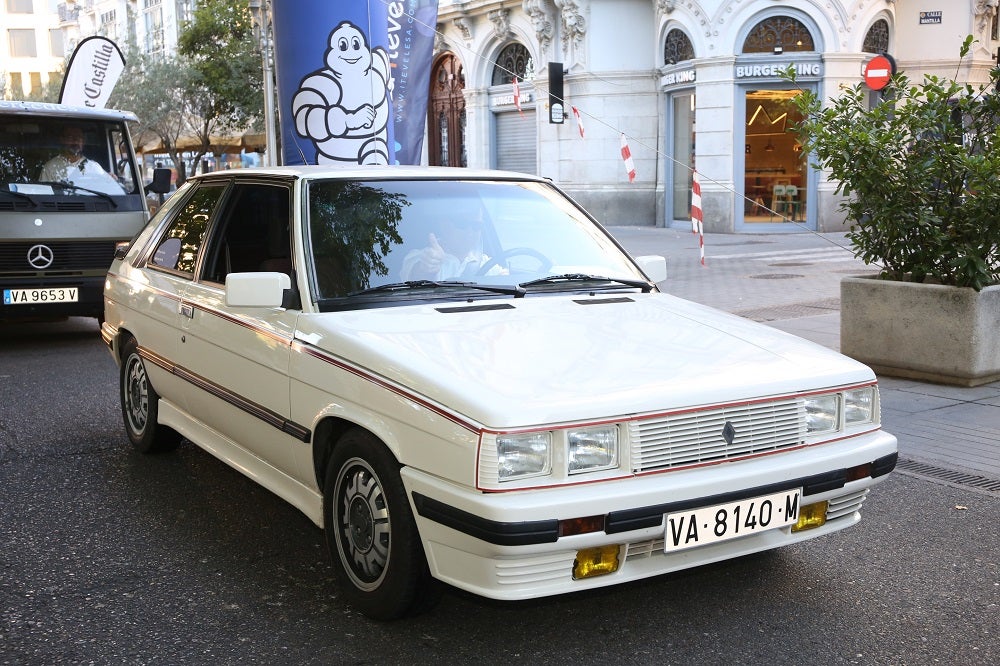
[
  {"x": 859, "y": 406},
  {"x": 524, "y": 455},
  {"x": 592, "y": 449},
  {"x": 822, "y": 413}
]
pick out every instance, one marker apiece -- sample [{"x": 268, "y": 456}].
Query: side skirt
[{"x": 307, "y": 500}]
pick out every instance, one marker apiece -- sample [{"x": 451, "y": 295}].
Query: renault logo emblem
[
  {"x": 40, "y": 256},
  {"x": 729, "y": 433}
]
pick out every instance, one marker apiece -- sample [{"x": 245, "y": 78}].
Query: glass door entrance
[{"x": 775, "y": 168}]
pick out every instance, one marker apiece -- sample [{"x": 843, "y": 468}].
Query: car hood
[{"x": 549, "y": 359}]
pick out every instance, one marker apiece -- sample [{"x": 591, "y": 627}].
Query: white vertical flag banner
[
  {"x": 517, "y": 96},
  {"x": 92, "y": 73},
  {"x": 627, "y": 157}
]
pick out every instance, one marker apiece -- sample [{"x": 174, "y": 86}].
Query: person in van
[{"x": 71, "y": 166}]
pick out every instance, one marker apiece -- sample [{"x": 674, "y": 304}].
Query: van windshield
[{"x": 65, "y": 157}]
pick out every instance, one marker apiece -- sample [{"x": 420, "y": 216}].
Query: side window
[
  {"x": 178, "y": 248},
  {"x": 254, "y": 233}
]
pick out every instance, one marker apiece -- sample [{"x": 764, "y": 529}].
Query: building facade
[
  {"x": 36, "y": 36},
  {"x": 691, "y": 85}
]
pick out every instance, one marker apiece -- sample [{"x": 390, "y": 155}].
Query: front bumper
[{"x": 507, "y": 545}]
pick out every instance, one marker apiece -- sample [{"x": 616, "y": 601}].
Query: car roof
[
  {"x": 355, "y": 172},
  {"x": 17, "y": 107}
]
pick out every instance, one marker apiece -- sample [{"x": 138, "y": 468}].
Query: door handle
[{"x": 187, "y": 310}]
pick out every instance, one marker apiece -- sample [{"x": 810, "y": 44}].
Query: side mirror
[
  {"x": 161, "y": 182},
  {"x": 256, "y": 290},
  {"x": 654, "y": 266}
]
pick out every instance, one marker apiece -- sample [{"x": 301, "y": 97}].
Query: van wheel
[
  {"x": 140, "y": 404},
  {"x": 377, "y": 556}
]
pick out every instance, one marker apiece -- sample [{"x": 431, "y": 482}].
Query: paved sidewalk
[{"x": 792, "y": 282}]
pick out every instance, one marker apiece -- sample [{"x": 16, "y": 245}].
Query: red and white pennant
[
  {"x": 627, "y": 157},
  {"x": 517, "y": 96},
  {"x": 579, "y": 120},
  {"x": 697, "y": 226}
]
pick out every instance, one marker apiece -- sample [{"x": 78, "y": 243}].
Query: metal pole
[{"x": 261, "y": 10}]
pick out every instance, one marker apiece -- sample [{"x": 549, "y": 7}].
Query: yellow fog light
[
  {"x": 810, "y": 516},
  {"x": 598, "y": 561}
]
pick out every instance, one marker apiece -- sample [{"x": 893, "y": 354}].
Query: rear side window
[{"x": 177, "y": 249}]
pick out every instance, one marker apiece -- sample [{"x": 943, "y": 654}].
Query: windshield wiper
[
  {"x": 584, "y": 277},
  {"x": 516, "y": 290},
  {"x": 71, "y": 186},
  {"x": 21, "y": 195}
]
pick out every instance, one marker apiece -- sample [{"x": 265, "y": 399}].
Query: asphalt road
[{"x": 111, "y": 557}]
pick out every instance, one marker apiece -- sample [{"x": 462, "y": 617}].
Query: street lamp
[{"x": 261, "y": 14}]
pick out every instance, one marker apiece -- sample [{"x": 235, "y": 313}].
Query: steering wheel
[{"x": 502, "y": 258}]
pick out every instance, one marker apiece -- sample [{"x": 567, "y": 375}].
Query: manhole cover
[{"x": 775, "y": 276}]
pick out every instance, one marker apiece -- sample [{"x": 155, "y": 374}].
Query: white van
[{"x": 70, "y": 194}]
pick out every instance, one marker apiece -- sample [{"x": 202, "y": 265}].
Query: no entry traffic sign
[{"x": 878, "y": 71}]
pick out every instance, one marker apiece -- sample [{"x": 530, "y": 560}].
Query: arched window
[
  {"x": 677, "y": 48},
  {"x": 514, "y": 60},
  {"x": 877, "y": 39},
  {"x": 784, "y": 31}
]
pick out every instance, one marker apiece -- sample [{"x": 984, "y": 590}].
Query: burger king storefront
[{"x": 773, "y": 181}]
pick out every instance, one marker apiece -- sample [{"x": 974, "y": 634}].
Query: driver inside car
[{"x": 455, "y": 251}]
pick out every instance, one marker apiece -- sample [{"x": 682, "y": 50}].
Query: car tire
[
  {"x": 140, "y": 405},
  {"x": 377, "y": 556}
]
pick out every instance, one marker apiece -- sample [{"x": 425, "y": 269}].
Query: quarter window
[{"x": 179, "y": 246}]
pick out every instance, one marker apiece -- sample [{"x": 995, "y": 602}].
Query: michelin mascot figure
[{"x": 344, "y": 107}]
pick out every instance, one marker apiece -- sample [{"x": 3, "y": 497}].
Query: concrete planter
[{"x": 948, "y": 335}]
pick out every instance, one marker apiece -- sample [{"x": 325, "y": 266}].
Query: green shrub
[{"x": 919, "y": 172}]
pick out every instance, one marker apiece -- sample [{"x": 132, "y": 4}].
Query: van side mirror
[{"x": 161, "y": 181}]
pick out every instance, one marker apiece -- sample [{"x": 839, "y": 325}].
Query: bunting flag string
[
  {"x": 627, "y": 157},
  {"x": 697, "y": 225},
  {"x": 517, "y": 96},
  {"x": 579, "y": 120}
]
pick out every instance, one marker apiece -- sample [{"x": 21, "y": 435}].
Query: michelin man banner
[{"x": 353, "y": 79}]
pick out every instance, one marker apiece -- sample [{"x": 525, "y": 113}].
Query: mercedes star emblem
[{"x": 40, "y": 256}]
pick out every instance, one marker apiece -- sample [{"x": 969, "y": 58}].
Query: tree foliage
[
  {"x": 157, "y": 90},
  {"x": 919, "y": 175},
  {"x": 225, "y": 62},
  {"x": 211, "y": 88}
]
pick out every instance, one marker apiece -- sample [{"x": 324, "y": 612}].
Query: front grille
[
  {"x": 98, "y": 205},
  {"x": 66, "y": 256},
  {"x": 697, "y": 437}
]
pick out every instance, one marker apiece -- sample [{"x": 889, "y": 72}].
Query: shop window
[
  {"x": 775, "y": 176},
  {"x": 677, "y": 48},
  {"x": 682, "y": 159},
  {"x": 877, "y": 39},
  {"x": 779, "y": 32},
  {"x": 514, "y": 60}
]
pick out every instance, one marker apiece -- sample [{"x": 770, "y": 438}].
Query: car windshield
[
  {"x": 64, "y": 157},
  {"x": 444, "y": 238}
]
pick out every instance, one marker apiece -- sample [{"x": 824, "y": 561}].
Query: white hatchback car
[{"x": 462, "y": 377}]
